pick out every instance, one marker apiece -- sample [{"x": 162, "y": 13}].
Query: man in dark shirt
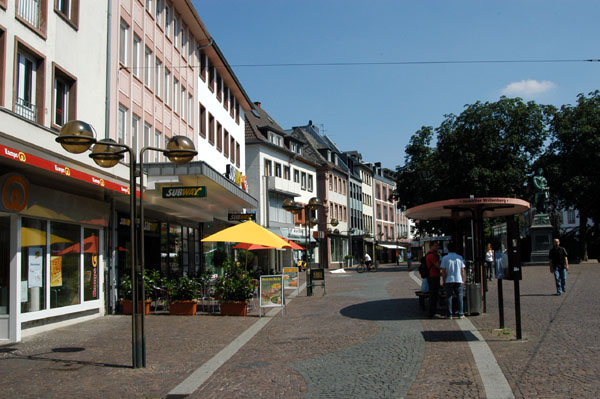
[
  {"x": 432, "y": 259},
  {"x": 559, "y": 266}
]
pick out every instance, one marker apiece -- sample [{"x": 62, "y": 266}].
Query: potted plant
[
  {"x": 234, "y": 290},
  {"x": 126, "y": 290},
  {"x": 183, "y": 296}
]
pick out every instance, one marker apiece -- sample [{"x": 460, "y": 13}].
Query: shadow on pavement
[
  {"x": 386, "y": 309},
  {"x": 42, "y": 357},
  {"x": 448, "y": 336}
]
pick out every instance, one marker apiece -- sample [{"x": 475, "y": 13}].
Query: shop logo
[
  {"x": 22, "y": 157},
  {"x": 15, "y": 155},
  {"x": 15, "y": 193},
  {"x": 67, "y": 172}
]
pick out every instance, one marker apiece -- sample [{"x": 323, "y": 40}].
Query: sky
[{"x": 402, "y": 61}]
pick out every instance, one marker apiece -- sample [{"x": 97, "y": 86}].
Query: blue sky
[{"x": 376, "y": 108}]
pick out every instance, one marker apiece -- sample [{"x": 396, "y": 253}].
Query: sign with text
[
  {"x": 184, "y": 192},
  {"x": 271, "y": 292},
  {"x": 291, "y": 278},
  {"x": 241, "y": 217},
  {"x": 317, "y": 274}
]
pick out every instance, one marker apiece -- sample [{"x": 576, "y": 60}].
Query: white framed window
[
  {"x": 303, "y": 180},
  {"x": 157, "y": 139},
  {"x": 148, "y": 67},
  {"x": 135, "y": 128},
  {"x": 123, "y": 37},
  {"x": 149, "y": 6},
  {"x": 190, "y": 112},
  {"x": 310, "y": 183},
  {"x": 157, "y": 77},
  {"x": 183, "y": 103},
  {"x": 176, "y": 96},
  {"x": 136, "y": 61},
  {"x": 277, "y": 169},
  {"x": 121, "y": 125},
  {"x": 25, "y": 104},
  {"x": 167, "y": 87},
  {"x": 147, "y": 133},
  {"x": 176, "y": 25},
  {"x": 159, "y": 12},
  {"x": 64, "y": 97},
  {"x": 168, "y": 21}
]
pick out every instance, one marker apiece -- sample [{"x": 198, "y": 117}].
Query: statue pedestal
[{"x": 541, "y": 238}]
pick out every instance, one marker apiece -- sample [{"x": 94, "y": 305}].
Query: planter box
[
  {"x": 234, "y": 308},
  {"x": 183, "y": 308},
  {"x": 128, "y": 306}
]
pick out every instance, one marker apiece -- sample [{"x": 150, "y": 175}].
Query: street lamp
[
  {"x": 313, "y": 204},
  {"x": 77, "y": 137}
]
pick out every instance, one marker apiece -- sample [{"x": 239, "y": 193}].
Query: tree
[
  {"x": 572, "y": 158},
  {"x": 486, "y": 151}
]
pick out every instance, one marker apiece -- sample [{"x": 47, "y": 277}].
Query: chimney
[{"x": 257, "y": 103}]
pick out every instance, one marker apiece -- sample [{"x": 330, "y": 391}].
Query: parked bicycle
[{"x": 362, "y": 267}]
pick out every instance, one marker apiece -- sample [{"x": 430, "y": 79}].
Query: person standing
[
  {"x": 559, "y": 266},
  {"x": 453, "y": 275},
  {"x": 432, "y": 260},
  {"x": 409, "y": 260},
  {"x": 489, "y": 261}
]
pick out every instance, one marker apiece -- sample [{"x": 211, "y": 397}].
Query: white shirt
[{"x": 453, "y": 263}]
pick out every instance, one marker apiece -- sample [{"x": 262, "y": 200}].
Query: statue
[{"x": 542, "y": 195}]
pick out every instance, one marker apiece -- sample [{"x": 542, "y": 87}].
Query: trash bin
[{"x": 473, "y": 298}]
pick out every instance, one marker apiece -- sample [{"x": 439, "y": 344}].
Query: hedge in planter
[
  {"x": 235, "y": 286},
  {"x": 183, "y": 296}
]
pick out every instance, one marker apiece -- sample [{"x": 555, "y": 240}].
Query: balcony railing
[
  {"x": 26, "y": 109},
  {"x": 30, "y": 11}
]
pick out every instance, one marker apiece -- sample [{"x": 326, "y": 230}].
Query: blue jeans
[
  {"x": 454, "y": 290},
  {"x": 560, "y": 276}
]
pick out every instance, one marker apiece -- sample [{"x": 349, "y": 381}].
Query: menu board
[
  {"x": 56, "y": 271},
  {"x": 271, "y": 291},
  {"x": 290, "y": 278}
]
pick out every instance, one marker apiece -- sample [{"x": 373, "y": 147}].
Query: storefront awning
[
  {"x": 222, "y": 195},
  {"x": 391, "y": 246}
]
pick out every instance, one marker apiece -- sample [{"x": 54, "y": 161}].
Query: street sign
[
  {"x": 184, "y": 192},
  {"x": 241, "y": 217}
]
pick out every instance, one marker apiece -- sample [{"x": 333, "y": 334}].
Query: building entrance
[{"x": 4, "y": 276}]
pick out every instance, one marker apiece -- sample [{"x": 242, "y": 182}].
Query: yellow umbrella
[
  {"x": 249, "y": 233},
  {"x": 31, "y": 237}
]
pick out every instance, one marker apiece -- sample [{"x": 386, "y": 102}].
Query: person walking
[
  {"x": 432, "y": 260},
  {"x": 559, "y": 266},
  {"x": 489, "y": 261},
  {"x": 409, "y": 260},
  {"x": 453, "y": 275}
]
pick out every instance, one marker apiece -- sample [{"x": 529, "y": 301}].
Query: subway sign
[{"x": 184, "y": 192}]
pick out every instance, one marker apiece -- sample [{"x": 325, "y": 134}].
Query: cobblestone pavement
[{"x": 366, "y": 338}]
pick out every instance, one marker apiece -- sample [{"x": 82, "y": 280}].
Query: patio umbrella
[
  {"x": 249, "y": 233},
  {"x": 250, "y": 247},
  {"x": 31, "y": 237}
]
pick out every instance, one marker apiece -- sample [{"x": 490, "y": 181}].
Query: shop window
[
  {"x": 65, "y": 273},
  {"x": 33, "y": 13},
  {"x": 33, "y": 264},
  {"x": 68, "y": 10},
  {"x": 30, "y": 84},
  {"x": 91, "y": 267},
  {"x": 4, "y": 264},
  {"x": 64, "y": 97}
]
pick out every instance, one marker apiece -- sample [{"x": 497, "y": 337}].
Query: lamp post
[
  {"x": 313, "y": 204},
  {"x": 77, "y": 137}
]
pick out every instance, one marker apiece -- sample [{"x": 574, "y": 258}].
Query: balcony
[
  {"x": 30, "y": 11},
  {"x": 281, "y": 185},
  {"x": 26, "y": 109}
]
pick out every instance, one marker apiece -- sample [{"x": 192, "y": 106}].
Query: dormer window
[
  {"x": 296, "y": 148},
  {"x": 275, "y": 139}
]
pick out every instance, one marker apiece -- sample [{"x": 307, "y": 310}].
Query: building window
[
  {"x": 33, "y": 13},
  {"x": 136, "y": 61},
  {"x": 268, "y": 167},
  {"x": 157, "y": 137},
  {"x": 211, "y": 77},
  {"x": 231, "y": 104},
  {"x": 159, "y": 11},
  {"x": 64, "y": 97},
  {"x": 123, "y": 37},
  {"x": 296, "y": 176},
  {"x": 176, "y": 32},
  {"x": 167, "y": 87},
  {"x": 226, "y": 144},
  {"x": 168, "y": 21},
  {"x": 571, "y": 216},
  {"x": 202, "y": 120},
  {"x": 30, "y": 82},
  {"x": 233, "y": 146},
  {"x": 157, "y": 78},
  {"x": 149, "y": 6},
  {"x": 203, "y": 66},
  {"x": 303, "y": 180},
  {"x": 226, "y": 98},
  {"x": 147, "y": 131},
  {"x": 277, "y": 169},
  {"x": 310, "y": 183},
  {"x": 238, "y": 155},
  {"x": 183, "y": 102},
  {"x": 68, "y": 10},
  {"x": 121, "y": 125},
  {"x": 219, "y": 88},
  {"x": 148, "y": 68},
  {"x": 190, "y": 106},
  {"x": 211, "y": 129},
  {"x": 286, "y": 172},
  {"x": 219, "y": 137},
  {"x": 135, "y": 127}
]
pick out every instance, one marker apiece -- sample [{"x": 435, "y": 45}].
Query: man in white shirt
[{"x": 453, "y": 275}]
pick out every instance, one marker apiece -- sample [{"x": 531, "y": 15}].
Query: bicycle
[{"x": 372, "y": 267}]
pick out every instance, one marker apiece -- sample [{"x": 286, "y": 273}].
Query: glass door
[{"x": 4, "y": 275}]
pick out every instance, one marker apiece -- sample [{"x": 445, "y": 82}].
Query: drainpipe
[{"x": 108, "y": 71}]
